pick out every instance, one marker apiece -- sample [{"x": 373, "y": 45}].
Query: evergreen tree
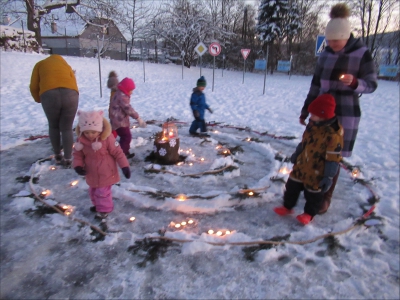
[{"x": 270, "y": 19}]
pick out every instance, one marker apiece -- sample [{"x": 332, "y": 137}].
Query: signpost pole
[
  {"x": 213, "y": 75},
  {"x": 266, "y": 68},
  {"x": 244, "y": 67}
]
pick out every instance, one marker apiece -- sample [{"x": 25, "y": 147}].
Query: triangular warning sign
[{"x": 245, "y": 53}]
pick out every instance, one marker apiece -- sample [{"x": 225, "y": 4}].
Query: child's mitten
[
  {"x": 294, "y": 156},
  {"x": 210, "y": 110},
  {"x": 80, "y": 170},
  {"x": 142, "y": 124},
  {"x": 330, "y": 170},
  {"x": 127, "y": 172}
]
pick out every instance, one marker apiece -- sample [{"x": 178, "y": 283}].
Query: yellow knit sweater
[{"x": 51, "y": 73}]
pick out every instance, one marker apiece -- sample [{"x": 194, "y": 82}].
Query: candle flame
[
  {"x": 202, "y": 159},
  {"x": 219, "y": 233},
  {"x": 190, "y": 164},
  {"x": 181, "y": 197},
  {"x": 284, "y": 170},
  {"x": 251, "y": 193},
  {"x": 75, "y": 182},
  {"x": 190, "y": 221},
  {"x": 183, "y": 223},
  {"x": 132, "y": 219},
  {"x": 177, "y": 225},
  {"x": 210, "y": 231},
  {"x": 227, "y": 232},
  {"x": 53, "y": 168},
  {"x": 65, "y": 207}
]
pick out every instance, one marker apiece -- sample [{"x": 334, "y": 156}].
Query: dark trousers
[
  {"x": 292, "y": 193},
  {"x": 60, "y": 106},
  {"x": 196, "y": 124},
  {"x": 125, "y": 138}
]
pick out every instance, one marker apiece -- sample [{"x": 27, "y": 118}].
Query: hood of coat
[{"x": 104, "y": 134}]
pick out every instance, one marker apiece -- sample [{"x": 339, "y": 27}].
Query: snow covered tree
[
  {"x": 270, "y": 19},
  {"x": 293, "y": 24},
  {"x": 182, "y": 25}
]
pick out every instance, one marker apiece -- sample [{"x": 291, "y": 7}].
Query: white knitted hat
[{"x": 338, "y": 27}]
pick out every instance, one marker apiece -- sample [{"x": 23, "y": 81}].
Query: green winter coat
[{"x": 322, "y": 141}]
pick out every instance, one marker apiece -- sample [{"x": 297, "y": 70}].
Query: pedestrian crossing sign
[{"x": 320, "y": 45}]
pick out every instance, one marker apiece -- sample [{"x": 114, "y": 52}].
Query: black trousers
[{"x": 292, "y": 193}]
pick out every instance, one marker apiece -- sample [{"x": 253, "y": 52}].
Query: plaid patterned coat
[{"x": 354, "y": 59}]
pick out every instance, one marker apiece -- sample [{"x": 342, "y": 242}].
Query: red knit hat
[
  {"x": 323, "y": 106},
  {"x": 126, "y": 85}
]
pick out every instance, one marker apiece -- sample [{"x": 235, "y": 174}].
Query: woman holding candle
[{"x": 345, "y": 70}]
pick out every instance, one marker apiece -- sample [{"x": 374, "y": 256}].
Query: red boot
[
  {"x": 283, "y": 211},
  {"x": 304, "y": 218}
]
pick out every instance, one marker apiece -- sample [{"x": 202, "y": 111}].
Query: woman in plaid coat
[{"x": 345, "y": 70}]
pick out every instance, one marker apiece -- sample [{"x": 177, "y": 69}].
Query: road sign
[
  {"x": 200, "y": 48},
  {"x": 214, "y": 49},
  {"x": 245, "y": 53},
  {"x": 283, "y": 65},
  {"x": 320, "y": 45},
  {"x": 260, "y": 64}
]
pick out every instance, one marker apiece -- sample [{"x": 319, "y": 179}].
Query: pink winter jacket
[
  {"x": 120, "y": 110},
  {"x": 101, "y": 165}
]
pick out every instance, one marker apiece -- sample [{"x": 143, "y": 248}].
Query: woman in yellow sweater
[{"x": 53, "y": 84}]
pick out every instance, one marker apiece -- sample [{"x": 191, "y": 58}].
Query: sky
[{"x": 48, "y": 255}]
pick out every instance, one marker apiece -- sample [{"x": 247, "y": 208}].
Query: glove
[
  {"x": 80, "y": 170},
  {"x": 325, "y": 184},
  {"x": 330, "y": 170},
  {"x": 294, "y": 156},
  {"x": 142, "y": 124},
  {"x": 127, "y": 172},
  {"x": 210, "y": 110},
  {"x": 196, "y": 114},
  {"x": 302, "y": 120}
]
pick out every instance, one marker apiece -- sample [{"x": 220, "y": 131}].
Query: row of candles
[{"x": 191, "y": 223}]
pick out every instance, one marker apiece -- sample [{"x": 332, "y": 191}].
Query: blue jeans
[{"x": 196, "y": 124}]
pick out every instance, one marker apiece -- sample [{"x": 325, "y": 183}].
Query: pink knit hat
[
  {"x": 126, "y": 85},
  {"x": 90, "y": 120}
]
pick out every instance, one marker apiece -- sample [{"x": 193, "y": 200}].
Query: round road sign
[{"x": 214, "y": 49}]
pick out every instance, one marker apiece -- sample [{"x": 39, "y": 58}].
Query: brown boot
[{"x": 326, "y": 202}]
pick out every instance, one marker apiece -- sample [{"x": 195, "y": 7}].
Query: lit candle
[
  {"x": 65, "y": 207},
  {"x": 284, "y": 170},
  {"x": 131, "y": 219},
  {"x": 219, "y": 233},
  {"x": 251, "y": 193},
  {"x": 341, "y": 77},
  {"x": 183, "y": 223},
  {"x": 75, "y": 182},
  {"x": 248, "y": 139},
  {"x": 190, "y": 164},
  {"x": 53, "y": 168},
  {"x": 177, "y": 225},
  {"x": 190, "y": 221},
  {"x": 181, "y": 197},
  {"x": 210, "y": 231},
  {"x": 355, "y": 172},
  {"x": 202, "y": 159},
  {"x": 44, "y": 193},
  {"x": 227, "y": 232},
  {"x": 179, "y": 163}
]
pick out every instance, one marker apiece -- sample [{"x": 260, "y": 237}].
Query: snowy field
[{"x": 47, "y": 255}]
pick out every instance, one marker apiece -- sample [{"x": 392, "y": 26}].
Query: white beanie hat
[
  {"x": 338, "y": 27},
  {"x": 90, "y": 120}
]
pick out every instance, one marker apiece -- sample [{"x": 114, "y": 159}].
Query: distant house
[{"x": 84, "y": 40}]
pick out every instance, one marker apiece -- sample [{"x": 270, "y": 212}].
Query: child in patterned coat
[{"x": 316, "y": 160}]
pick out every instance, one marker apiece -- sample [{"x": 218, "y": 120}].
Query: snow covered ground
[{"x": 49, "y": 256}]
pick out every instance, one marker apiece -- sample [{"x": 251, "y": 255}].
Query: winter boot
[
  {"x": 129, "y": 155},
  {"x": 58, "y": 159},
  {"x": 67, "y": 163},
  {"x": 283, "y": 211},
  {"x": 304, "y": 218},
  {"x": 93, "y": 209},
  {"x": 326, "y": 202},
  {"x": 101, "y": 216}
]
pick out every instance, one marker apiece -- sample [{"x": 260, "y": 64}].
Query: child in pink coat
[
  {"x": 96, "y": 155},
  {"x": 119, "y": 112}
]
